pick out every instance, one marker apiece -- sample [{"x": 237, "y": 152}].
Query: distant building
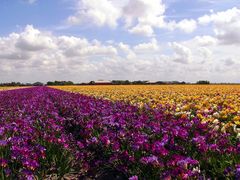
[
  {"x": 151, "y": 82},
  {"x": 102, "y": 82}
]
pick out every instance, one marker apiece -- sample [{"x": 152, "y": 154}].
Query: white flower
[
  {"x": 197, "y": 169},
  {"x": 215, "y": 107},
  {"x": 238, "y": 130},
  {"x": 235, "y": 128},
  {"x": 238, "y": 136},
  {"x": 223, "y": 129},
  {"x": 206, "y": 111},
  {"x": 216, "y": 121},
  {"x": 216, "y": 115},
  {"x": 216, "y": 128}
]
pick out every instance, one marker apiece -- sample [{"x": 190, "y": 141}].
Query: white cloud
[
  {"x": 34, "y": 50},
  {"x": 147, "y": 47},
  {"x": 229, "y": 62},
  {"x": 91, "y": 50},
  {"x": 205, "y": 53},
  {"x": 220, "y": 18},
  {"x": 78, "y": 59},
  {"x": 14, "y": 55},
  {"x": 144, "y": 12},
  {"x": 187, "y": 26},
  {"x": 226, "y": 25},
  {"x": 139, "y": 17},
  {"x": 77, "y": 47},
  {"x": 33, "y": 40},
  {"x": 144, "y": 30},
  {"x": 151, "y": 14},
  {"x": 126, "y": 49},
  {"x": 35, "y": 55},
  {"x": 205, "y": 40},
  {"x": 210, "y": 59},
  {"x": 229, "y": 34},
  {"x": 97, "y": 12},
  {"x": 182, "y": 54}
]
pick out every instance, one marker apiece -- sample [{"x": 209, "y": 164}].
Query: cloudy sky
[{"x": 83, "y": 40}]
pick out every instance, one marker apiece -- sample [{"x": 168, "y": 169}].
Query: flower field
[
  {"x": 144, "y": 132},
  {"x": 218, "y": 104},
  {"x": 8, "y": 88}
]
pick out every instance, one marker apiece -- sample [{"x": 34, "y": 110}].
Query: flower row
[{"x": 46, "y": 131}]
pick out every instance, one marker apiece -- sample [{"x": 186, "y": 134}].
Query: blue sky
[
  {"x": 49, "y": 15},
  {"x": 83, "y": 40},
  {"x": 42, "y": 14}
]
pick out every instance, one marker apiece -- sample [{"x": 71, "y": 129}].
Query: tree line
[{"x": 113, "y": 82}]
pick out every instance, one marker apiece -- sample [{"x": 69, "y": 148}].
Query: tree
[
  {"x": 202, "y": 82},
  {"x": 121, "y": 82},
  {"x": 92, "y": 82},
  {"x": 38, "y": 84},
  {"x": 59, "y": 83}
]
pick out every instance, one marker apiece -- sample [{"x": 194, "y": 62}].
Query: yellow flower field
[
  {"x": 219, "y": 104},
  {"x": 8, "y": 88}
]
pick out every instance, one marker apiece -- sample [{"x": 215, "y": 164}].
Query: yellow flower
[
  {"x": 200, "y": 116},
  {"x": 236, "y": 118}
]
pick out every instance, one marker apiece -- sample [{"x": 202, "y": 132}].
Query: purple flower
[
  {"x": 80, "y": 145},
  {"x": 2, "y": 129},
  {"x": 187, "y": 161},
  {"x": 150, "y": 160},
  {"x": 3, "y": 143},
  {"x": 105, "y": 140},
  {"x": 133, "y": 178},
  {"x": 237, "y": 172},
  {"x": 93, "y": 133},
  {"x": 30, "y": 164},
  {"x": 3, "y": 162},
  {"x": 7, "y": 172},
  {"x": 227, "y": 170},
  {"x": 116, "y": 146},
  {"x": 158, "y": 147},
  {"x": 27, "y": 174}
]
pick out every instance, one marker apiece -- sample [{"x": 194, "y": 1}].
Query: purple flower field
[{"x": 44, "y": 131}]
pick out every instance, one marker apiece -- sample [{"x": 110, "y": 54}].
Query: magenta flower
[{"x": 133, "y": 178}]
